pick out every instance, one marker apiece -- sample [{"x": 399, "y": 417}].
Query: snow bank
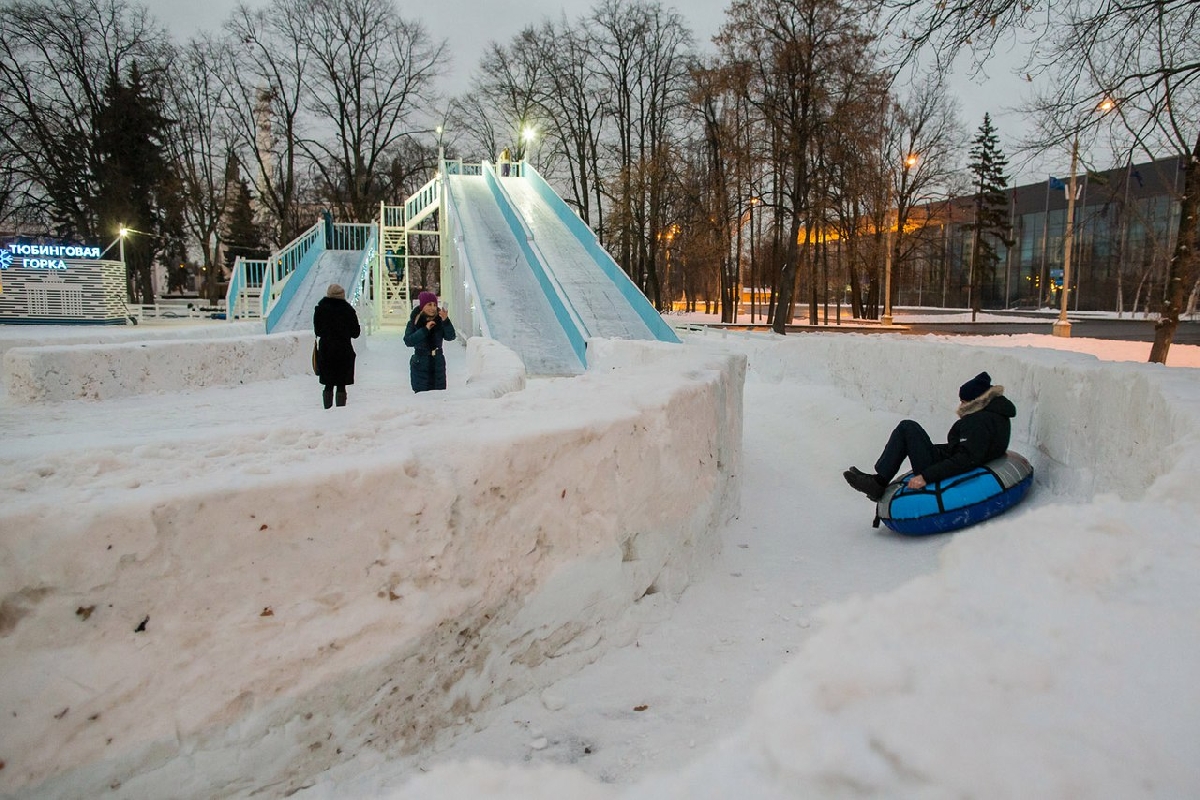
[
  {"x": 397, "y": 571},
  {"x": 493, "y": 370},
  {"x": 42, "y": 335},
  {"x": 1054, "y": 652},
  {"x": 103, "y": 371}
]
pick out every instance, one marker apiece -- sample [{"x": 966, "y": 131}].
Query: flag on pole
[{"x": 1056, "y": 184}]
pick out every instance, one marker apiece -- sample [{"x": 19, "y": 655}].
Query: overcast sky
[{"x": 468, "y": 25}]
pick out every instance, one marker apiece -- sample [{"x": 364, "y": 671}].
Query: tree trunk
[
  {"x": 787, "y": 278},
  {"x": 1183, "y": 261}
]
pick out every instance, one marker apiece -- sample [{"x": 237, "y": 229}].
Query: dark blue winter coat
[
  {"x": 427, "y": 366},
  {"x": 335, "y": 324}
]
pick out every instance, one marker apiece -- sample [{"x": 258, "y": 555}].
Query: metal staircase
[{"x": 397, "y": 226}]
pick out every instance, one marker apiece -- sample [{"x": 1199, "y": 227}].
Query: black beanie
[{"x": 974, "y": 387}]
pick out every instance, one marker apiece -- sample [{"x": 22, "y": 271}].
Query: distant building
[{"x": 1126, "y": 224}]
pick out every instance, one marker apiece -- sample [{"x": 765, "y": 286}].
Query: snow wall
[
  {"x": 1088, "y": 426},
  {"x": 440, "y": 562},
  {"x": 103, "y": 371},
  {"x": 1053, "y": 654}
]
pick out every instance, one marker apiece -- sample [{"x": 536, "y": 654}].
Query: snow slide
[
  {"x": 517, "y": 309},
  {"x": 333, "y": 266}
]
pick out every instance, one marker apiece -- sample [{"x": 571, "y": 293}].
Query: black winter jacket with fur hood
[{"x": 980, "y": 435}]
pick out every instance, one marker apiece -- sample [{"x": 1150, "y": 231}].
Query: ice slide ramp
[
  {"x": 601, "y": 297},
  {"x": 516, "y": 306},
  {"x": 544, "y": 285},
  {"x": 333, "y": 266}
]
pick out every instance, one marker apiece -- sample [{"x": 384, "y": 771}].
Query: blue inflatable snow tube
[{"x": 957, "y": 501}]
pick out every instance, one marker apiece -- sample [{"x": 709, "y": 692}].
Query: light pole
[
  {"x": 1062, "y": 326},
  {"x": 886, "y": 319},
  {"x": 910, "y": 161},
  {"x": 527, "y": 137}
]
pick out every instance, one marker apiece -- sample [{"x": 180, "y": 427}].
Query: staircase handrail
[
  {"x": 247, "y": 273},
  {"x": 422, "y": 199},
  {"x": 476, "y": 310},
  {"x": 361, "y": 287},
  {"x": 287, "y": 269}
]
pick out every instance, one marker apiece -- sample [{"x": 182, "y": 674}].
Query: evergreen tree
[
  {"x": 991, "y": 227},
  {"x": 243, "y": 237},
  {"x": 135, "y": 179}
]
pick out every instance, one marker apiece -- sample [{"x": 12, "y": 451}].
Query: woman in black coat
[
  {"x": 428, "y": 327},
  {"x": 335, "y": 324}
]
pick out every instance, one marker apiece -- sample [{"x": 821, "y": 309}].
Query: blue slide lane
[
  {"x": 649, "y": 315},
  {"x": 563, "y": 317}
]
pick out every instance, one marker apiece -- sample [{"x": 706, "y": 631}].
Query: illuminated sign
[{"x": 44, "y": 256}]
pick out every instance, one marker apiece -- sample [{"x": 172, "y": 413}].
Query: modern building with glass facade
[{"x": 1126, "y": 224}]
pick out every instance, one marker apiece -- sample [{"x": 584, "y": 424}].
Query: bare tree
[
  {"x": 368, "y": 75},
  {"x": 1145, "y": 56},
  {"x": 643, "y": 56},
  {"x": 1147, "y": 60},
  {"x": 202, "y": 147},
  {"x": 472, "y": 121},
  {"x": 789, "y": 49},
  {"x": 264, "y": 77},
  {"x": 57, "y": 57},
  {"x": 716, "y": 98},
  {"x": 924, "y": 142},
  {"x": 511, "y": 77},
  {"x": 573, "y": 102}
]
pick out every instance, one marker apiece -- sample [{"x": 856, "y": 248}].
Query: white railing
[
  {"x": 418, "y": 205},
  {"x": 178, "y": 309},
  {"x": 243, "y": 297}
]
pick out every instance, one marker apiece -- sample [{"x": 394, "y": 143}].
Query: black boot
[
  {"x": 327, "y": 396},
  {"x": 341, "y": 397},
  {"x": 870, "y": 485}
]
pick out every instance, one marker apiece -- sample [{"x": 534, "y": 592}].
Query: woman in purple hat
[{"x": 428, "y": 327}]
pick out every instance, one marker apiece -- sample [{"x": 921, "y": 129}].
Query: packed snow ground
[
  {"x": 1047, "y": 653},
  {"x": 817, "y": 656}
]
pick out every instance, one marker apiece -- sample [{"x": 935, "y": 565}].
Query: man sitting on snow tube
[{"x": 980, "y": 435}]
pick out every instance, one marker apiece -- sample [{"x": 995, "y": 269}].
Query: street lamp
[
  {"x": 1062, "y": 326},
  {"x": 122, "y": 232},
  {"x": 528, "y": 134},
  {"x": 910, "y": 161}
]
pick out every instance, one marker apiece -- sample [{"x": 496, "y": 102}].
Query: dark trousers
[
  {"x": 908, "y": 440},
  {"x": 327, "y": 396}
]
